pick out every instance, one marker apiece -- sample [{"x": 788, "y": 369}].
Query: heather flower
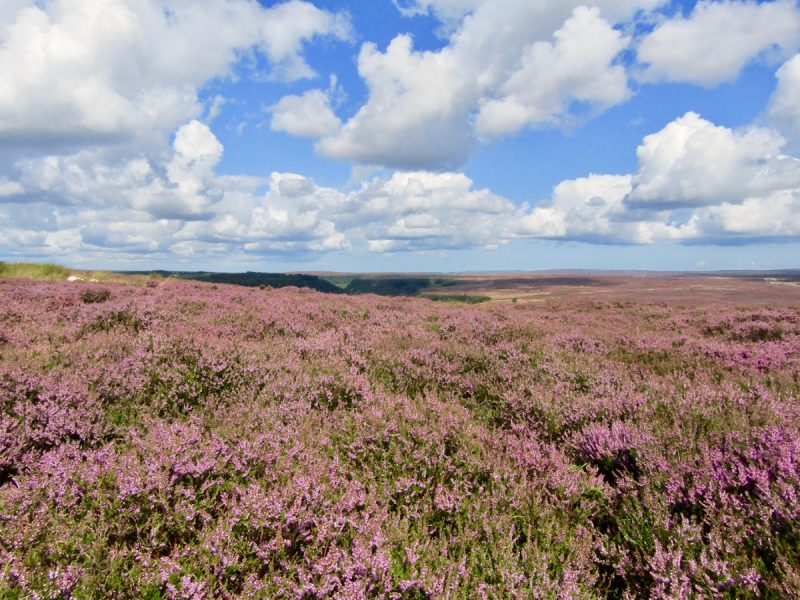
[
  {"x": 194, "y": 442},
  {"x": 614, "y": 450}
]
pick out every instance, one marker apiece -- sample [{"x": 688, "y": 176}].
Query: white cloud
[
  {"x": 10, "y": 188},
  {"x": 191, "y": 170},
  {"x": 449, "y": 12},
  {"x": 578, "y": 65},
  {"x": 100, "y": 70},
  {"x": 308, "y": 115},
  {"x": 9, "y": 10},
  {"x": 122, "y": 233},
  {"x": 197, "y": 149},
  {"x": 90, "y": 204},
  {"x": 422, "y": 104},
  {"x": 593, "y": 209},
  {"x": 784, "y": 107},
  {"x": 718, "y": 39},
  {"x": 696, "y": 182},
  {"x": 215, "y": 108},
  {"x": 408, "y": 211},
  {"x": 416, "y": 114},
  {"x": 506, "y": 64},
  {"x": 581, "y": 208},
  {"x": 776, "y": 215},
  {"x": 286, "y": 27},
  {"x": 427, "y": 211},
  {"x": 93, "y": 89},
  {"x": 296, "y": 212},
  {"x": 692, "y": 162},
  {"x": 455, "y": 10},
  {"x": 180, "y": 187},
  {"x": 446, "y": 10}
]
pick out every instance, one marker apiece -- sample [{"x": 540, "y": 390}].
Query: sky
[{"x": 400, "y": 135}]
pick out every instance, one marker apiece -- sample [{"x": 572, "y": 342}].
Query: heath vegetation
[{"x": 184, "y": 440}]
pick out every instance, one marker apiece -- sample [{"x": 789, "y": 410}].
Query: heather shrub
[
  {"x": 95, "y": 296},
  {"x": 746, "y": 489},
  {"x": 190, "y": 441},
  {"x": 614, "y": 451},
  {"x": 36, "y": 416},
  {"x": 108, "y": 321}
]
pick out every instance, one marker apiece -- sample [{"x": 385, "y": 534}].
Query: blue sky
[{"x": 400, "y": 135}]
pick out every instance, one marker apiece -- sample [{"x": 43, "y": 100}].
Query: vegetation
[
  {"x": 388, "y": 286},
  {"x": 189, "y": 440},
  {"x": 381, "y": 285},
  {"x": 43, "y": 272},
  {"x": 252, "y": 279},
  {"x": 395, "y": 286},
  {"x": 462, "y": 298}
]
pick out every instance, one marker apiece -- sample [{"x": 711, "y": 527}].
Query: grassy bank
[{"x": 38, "y": 271}]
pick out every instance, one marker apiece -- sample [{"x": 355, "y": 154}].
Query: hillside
[{"x": 251, "y": 279}]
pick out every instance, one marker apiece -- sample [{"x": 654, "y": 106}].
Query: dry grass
[
  {"x": 53, "y": 272},
  {"x": 41, "y": 272}
]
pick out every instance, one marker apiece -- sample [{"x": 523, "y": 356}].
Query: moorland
[{"x": 575, "y": 435}]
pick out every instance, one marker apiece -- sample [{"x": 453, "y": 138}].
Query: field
[
  {"x": 782, "y": 290},
  {"x": 573, "y": 437}
]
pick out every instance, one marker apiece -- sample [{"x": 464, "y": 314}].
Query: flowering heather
[{"x": 197, "y": 441}]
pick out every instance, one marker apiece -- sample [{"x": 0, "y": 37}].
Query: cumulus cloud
[
  {"x": 718, "y": 39},
  {"x": 123, "y": 233},
  {"x": 286, "y": 27},
  {"x": 92, "y": 93},
  {"x": 9, "y": 10},
  {"x": 497, "y": 63},
  {"x": 578, "y": 65},
  {"x": 183, "y": 186},
  {"x": 295, "y": 213},
  {"x": 79, "y": 71},
  {"x": 593, "y": 209},
  {"x": 307, "y": 115},
  {"x": 692, "y": 162},
  {"x": 579, "y": 208},
  {"x": 411, "y": 211},
  {"x": 696, "y": 182},
  {"x": 416, "y": 115},
  {"x": 427, "y": 211},
  {"x": 784, "y": 106},
  {"x": 774, "y": 216},
  {"x": 191, "y": 172}
]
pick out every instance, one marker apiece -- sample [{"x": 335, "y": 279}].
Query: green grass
[
  {"x": 462, "y": 298},
  {"x": 51, "y": 272},
  {"x": 44, "y": 272}
]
